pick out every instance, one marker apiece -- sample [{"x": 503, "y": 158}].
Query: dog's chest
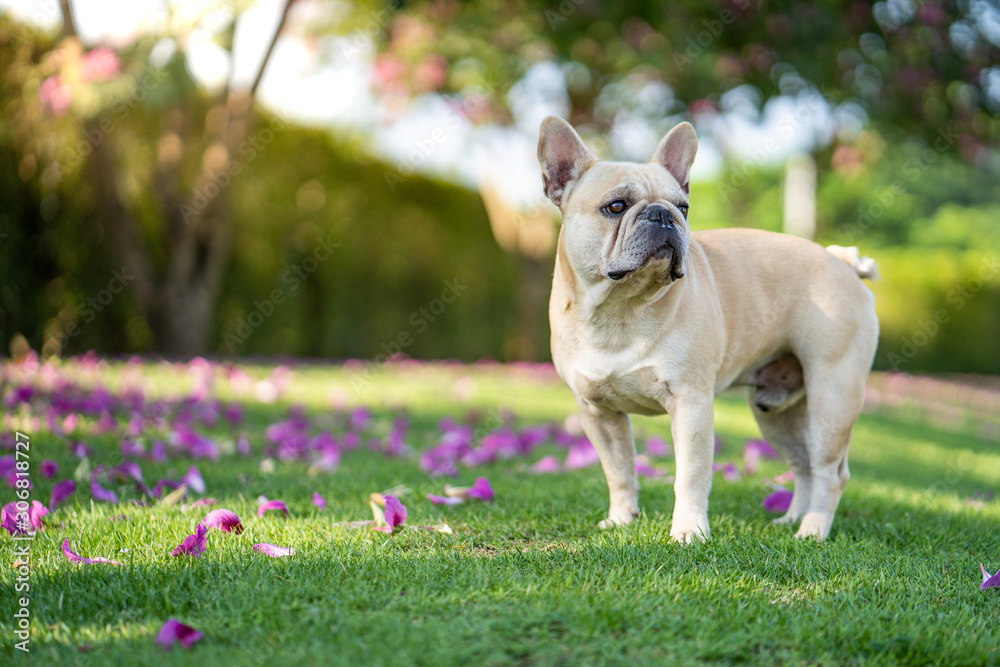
[{"x": 637, "y": 388}]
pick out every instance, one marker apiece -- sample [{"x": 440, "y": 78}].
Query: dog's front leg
[
  {"x": 693, "y": 426},
  {"x": 611, "y": 434}
]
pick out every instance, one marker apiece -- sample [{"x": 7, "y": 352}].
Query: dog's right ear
[{"x": 563, "y": 156}]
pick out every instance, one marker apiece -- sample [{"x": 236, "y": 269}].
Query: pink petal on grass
[
  {"x": 50, "y": 468},
  {"x": 61, "y": 492},
  {"x": 173, "y": 631},
  {"x": 989, "y": 580},
  {"x": 77, "y": 558},
  {"x": 395, "y": 514},
  {"x": 36, "y": 513},
  {"x": 273, "y": 551},
  {"x": 319, "y": 501},
  {"x": 224, "y": 520},
  {"x": 193, "y": 545},
  {"x": 194, "y": 480},
  {"x": 729, "y": 471},
  {"x": 445, "y": 500},
  {"x": 482, "y": 490},
  {"x": 546, "y": 464},
  {"x": 779, "y": 501},
  {"x": 278, "y": 505}
]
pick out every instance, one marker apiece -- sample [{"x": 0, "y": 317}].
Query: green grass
[{"x": 528, "y": 579}]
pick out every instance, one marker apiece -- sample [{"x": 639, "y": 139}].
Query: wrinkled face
[
  {"x": 627, "y": 222},
  {"x": 624, "y": 223}
]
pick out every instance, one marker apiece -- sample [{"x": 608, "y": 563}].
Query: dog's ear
[
  {"x": 676, "y": 153},
  {"x": 563, "y": 156}
]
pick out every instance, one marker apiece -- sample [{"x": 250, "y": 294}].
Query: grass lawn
[{"x": 526, "y": 579}]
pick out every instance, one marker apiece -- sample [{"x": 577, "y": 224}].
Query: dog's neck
[{"x": 612, "y": 315}]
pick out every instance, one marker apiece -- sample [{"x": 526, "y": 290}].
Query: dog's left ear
[
  {"x": 563, "y": 156},
  {"x": 676, "y": 153}
]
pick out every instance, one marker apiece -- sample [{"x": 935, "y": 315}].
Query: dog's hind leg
[
  {"x": 836, "y": 396},
  {"x": 788, "y": 431}
]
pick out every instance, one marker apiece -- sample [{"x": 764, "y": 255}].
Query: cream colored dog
[{"x": 650, "y": 318}]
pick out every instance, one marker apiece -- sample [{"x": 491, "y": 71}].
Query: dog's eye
[
  {"x": 683, "y": 208},
  {"x": 616, "y": 208}
]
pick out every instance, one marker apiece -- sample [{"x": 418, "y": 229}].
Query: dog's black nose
[{"x": 659, "y": 214}]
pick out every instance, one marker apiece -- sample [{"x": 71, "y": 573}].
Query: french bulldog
[{"x": 648, "y": 317}]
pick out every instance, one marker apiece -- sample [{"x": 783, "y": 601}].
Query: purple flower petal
[
  {"x": 273, "y": 551},
  {"x": 128, "y": 469},
  {"x": 194, "y": 480},
  {"x": 61, "y": 492},
  {"x": 50, "y": 468},
  {"x": 445, "y": 500},
  {"x": 164, "y": 485},
  {"x": 546, "y": 464},
  {"x": 278, "y": 505},
  {"x": 395, "y": 512},
  {"x": 173, "y": 631},
  {"x": 99, "y": 492},
  {"x": 729, "y": 471},
  {"x": 482, "y": 490},
  {"x": 319, "y": 501},
  {"x": 779, "y": 501},
  {"x": 77, "y": 558},
  {"x": 658, "y": 447},
  {"x": 644, "y": 469},
  {"x": 16, "y": 523},
  {"x": 989, "y": 580},
  {"x": 193, "y": 545},
  {"x": 224, "y": 520}
]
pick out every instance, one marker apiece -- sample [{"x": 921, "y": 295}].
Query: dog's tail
[{"x": 864, "y": 266}]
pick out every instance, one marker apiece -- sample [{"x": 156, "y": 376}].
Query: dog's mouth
[{"x": 664, "y": 251}]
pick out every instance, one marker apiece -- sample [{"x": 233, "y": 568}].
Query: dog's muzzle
[{"x": 655, "y": 236}]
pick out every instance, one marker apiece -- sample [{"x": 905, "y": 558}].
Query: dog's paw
[
  {"x": 690, "y": 531},
  {"x": 815, "y": 524},
  {"x": 618, "y": 519},
  {"x": 784, "y": 520}
]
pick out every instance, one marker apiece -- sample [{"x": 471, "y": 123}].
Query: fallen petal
[
  {"x": 395, "y": 512},
  {"x": 193, "y": 545},
  {"x": 173, "y": 631},
  {"x": 273, "y": 551},
  {"x": 482, "y": 490},
  {"x": 546, "y": 464},
  {"x": 989, "y": 580},
  {"x": 77, "y": 558},
  {"x": 36, "y": 513},
  {"x": 16, "y": 523},
  {"x": 99, "y": 492},
  {"x": 779, "y": 501},
  {"x": 224, "y": 520},
  {"x": 194, "y": 480},
  {"x": 278, "y": 505},
  {"x": 445, "y": 500},
  {"x": 319, "y": 501},
  {"x": 61, "y": 492},
  {"x": 50, "y": 468}
]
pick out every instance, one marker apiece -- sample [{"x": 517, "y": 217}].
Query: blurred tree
[
  {"x": 926, "y": 69},
  {"x": 163, "y": 200}
]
